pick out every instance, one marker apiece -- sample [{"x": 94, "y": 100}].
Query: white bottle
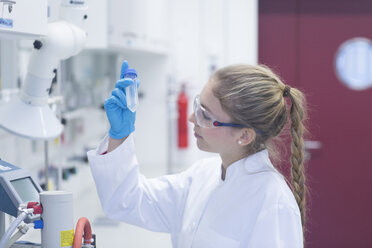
[{"x": 131, "y": 91}]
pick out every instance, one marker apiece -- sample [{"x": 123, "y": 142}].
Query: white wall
[{"x": 242, "y": 32}]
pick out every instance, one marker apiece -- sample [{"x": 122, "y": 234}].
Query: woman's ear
[{"x": 247, "y": 136}]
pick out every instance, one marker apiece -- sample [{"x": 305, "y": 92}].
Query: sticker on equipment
[{"x": 67, "y": 238}]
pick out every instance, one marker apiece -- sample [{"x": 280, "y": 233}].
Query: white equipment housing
[
  {"x": 18, "y": 22},
  {"x": 58, "y": 220}
]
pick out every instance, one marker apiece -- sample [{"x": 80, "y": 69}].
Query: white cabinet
[
  {"x": 129, "y": 24},
  {"x": 158, "y": 20},
  {"x": 139, "y": 24}
]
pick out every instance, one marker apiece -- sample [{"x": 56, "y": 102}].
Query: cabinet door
[
  {"x": 127, "y": 23},
  {"x": 157, "y": 23}
]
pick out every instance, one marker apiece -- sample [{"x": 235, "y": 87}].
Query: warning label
[{"x": 67, "y": 238}]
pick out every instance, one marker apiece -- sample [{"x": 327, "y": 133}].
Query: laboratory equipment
[
  {"x": 64, "y": 39},
  {"x": 58, "y": 219},
  {"x": 131, "y": 91},
  {"x": 17, "y": 187},
  {"x": 23, "y": 19},
  {"x": 50, "y": 211}
]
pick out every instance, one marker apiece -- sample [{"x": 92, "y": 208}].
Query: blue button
[{"x": 38, "y": 224}]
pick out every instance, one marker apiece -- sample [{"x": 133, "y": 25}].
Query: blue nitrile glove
[{"x": 120, "y": 117}]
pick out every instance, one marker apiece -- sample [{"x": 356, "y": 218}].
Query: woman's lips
[{"x": 197, "y": 135}]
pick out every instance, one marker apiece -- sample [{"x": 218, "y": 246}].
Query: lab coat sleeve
[
  {"x": 277, "y": 227},
  {"x": 126, "y": 195}
]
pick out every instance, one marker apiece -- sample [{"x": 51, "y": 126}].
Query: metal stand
[
  {"x": 2, "y": 224},
  {"x": 46, "y": 165}
]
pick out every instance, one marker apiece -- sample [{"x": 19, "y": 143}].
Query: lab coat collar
[
  {"x": 255, "y": 163},
  {"x": 258, "y": 162}
]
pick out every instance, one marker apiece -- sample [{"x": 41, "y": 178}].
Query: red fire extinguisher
[{"x": 182, "y": 103}]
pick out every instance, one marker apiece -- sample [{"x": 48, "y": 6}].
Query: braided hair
[{"x": 254, "y": 96}]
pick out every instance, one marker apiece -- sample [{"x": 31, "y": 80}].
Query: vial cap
[{"x": 130, "y": 71}]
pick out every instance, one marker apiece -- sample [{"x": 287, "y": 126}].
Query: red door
[{"x": 299, "y": 39}]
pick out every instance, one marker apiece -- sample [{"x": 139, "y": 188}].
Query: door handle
[
  {"x": 310, "y": 147},
  {"x": 313, "y": 145}
]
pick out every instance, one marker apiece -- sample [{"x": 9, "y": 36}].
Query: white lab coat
[{"x": 252, "y": 207}]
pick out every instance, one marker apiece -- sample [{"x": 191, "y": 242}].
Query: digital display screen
[{"x": 26, "y": 189}]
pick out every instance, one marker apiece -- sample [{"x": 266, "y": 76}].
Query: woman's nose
[{"x": 192, "y": 118}]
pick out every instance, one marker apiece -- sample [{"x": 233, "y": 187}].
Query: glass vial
[{"x": 131, "y": 91}]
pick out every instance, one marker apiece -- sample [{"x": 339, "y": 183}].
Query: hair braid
[
  {"x": 254, "y": 96},
  {"x": 298, "y": 115}
]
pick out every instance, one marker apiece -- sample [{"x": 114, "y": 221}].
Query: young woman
[{"x": 237, "y": 199}]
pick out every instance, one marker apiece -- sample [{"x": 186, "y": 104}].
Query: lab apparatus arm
[
  {"x": 65, "y": 38},
  {"x": 126, "y": 195}
]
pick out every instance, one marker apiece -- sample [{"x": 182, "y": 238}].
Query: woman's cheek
[{"x": 212, "y": 134}]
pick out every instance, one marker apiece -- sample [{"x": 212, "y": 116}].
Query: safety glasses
[{"x": 206, "y": 119}]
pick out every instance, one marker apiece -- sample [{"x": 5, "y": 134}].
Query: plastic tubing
[
  {"x": 14, "y": 238},
  {"x": 11, "y": 229},
  {"x": 82, "y": 226}
]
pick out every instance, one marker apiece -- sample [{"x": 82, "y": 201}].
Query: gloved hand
[{"x": 120, "y": 117}]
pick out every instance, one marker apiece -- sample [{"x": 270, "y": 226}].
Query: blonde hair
[{"x": 255, "y": 97}]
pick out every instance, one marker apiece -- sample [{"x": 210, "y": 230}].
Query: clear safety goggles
[{"x": 206, "y": 119}]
